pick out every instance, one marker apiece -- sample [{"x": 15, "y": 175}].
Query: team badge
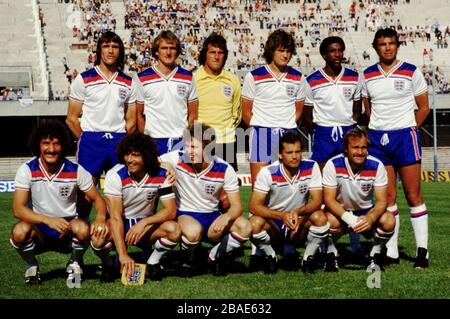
[
  {"x": 181, "y": 90},
  {"x": 150, "y": 195},
  {"x": 303, "y": 188},
  {"x": 123, "y": 94},
  {"x": 366, "y": 187},
  {"x": 64, "y": 191},
  {"x": 348, "y": 92},
  {"x": 210, "y": 189},
  {"x": 227, "y": 90},
  {"x": 290, "y": 90},
  {"x": 399, "y": 85}
]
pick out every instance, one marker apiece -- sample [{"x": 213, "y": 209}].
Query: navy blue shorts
[
  {"x": 398, "y": 148},
  {"x": 205, "y": 219},
  {"x": 327, "y": 142},
  {"x": 97, "y": 151},
  {"x": 264, "y": 143},
  {"x": 166, "y": 145}
]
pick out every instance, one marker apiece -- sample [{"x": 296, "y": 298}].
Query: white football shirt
[
  {"x": 104, "y": 101},
  {"x": 140, "y": 199},
  {"x": 53, "y": 195},
  {"x": 199, "y": 192},
  {"x": 392, "y": 95},
  {"x": 166, "y": 101},
  {"x": 284, "y": 194},
  {"x": 355, "y": 191},
  {"x": 274, "y": 99}
]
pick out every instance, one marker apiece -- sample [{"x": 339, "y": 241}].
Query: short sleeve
[
  {"x": 329, "y": 175},
  {"x": 140, "y": 96},
  {"x": 133, "y": 93},
  {"x": 231, "y": 184},
  {"x": 381, "y": 177},
  {"x": 84, "y": 179},
  {"x": 419, "y": 84},
  {"x": 309, "y": 97},
  {"x": 263, "y": 181},
  {"x": 171, "y": 158},
  {"x": 248, "y": 89},
  {"x": 23, "y": 178},
  {"x": 113, "y": 184},
  {"x": 316, "y": 178},
  {"x": 301, "y": 92},
  {"x": 77, "y": 89},
  {"x": 358, "y": 90},
  {"x": 364, "y": 90},
  {"x": 193, "y": 96}
]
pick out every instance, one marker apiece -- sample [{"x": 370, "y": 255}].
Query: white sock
[
  {"x": 262, "y": 241},
  {"x": 380, "y": 239},
  {"x": 188, "y": 247},
  {"x": 229, "y": 242},
  {"x": 316, "y": 235},
  {"x": 78, "y": 250},
  {"x": 162, "y": 246},
  {"x": 419, "y": 220},
  {"x": 392, "y": 244},
  {"x": 333, "y": 235},
  {"x": 26, "y": 252},
  {"x": 103, "y": 253}
]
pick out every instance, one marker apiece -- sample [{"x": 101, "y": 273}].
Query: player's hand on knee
[
  {"x": 221, "y": 223},
  {"x": 363, "y": 224},
  {"x": 59, "y": 224},
  {"x": 99, "y": 229},
  {"x": 288, "y": 221},
  {"x": 135, "y": 234}
]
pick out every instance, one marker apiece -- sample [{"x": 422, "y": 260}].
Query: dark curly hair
[
  {"x": 107, "y": 37},
  {"x": 52, "y": 129},
  {"x": 328, "y": 41},
  {"x": 216, "y": 40},
  {"x": 278, "y": 39},
  {"x": 144, "y": 144}
]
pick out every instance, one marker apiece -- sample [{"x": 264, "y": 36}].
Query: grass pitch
[{"x": 398, "y": 281}]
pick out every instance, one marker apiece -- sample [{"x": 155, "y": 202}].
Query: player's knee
[
  {"x": 333, "y": 221},
  {"x": 193, "y": 234},
  {"x": 414, "y": 199},
  {"x": 80, "y": 229},
  {"x": 173, "y": 230},
  {"x": 243, "y": 227},
  {"x": 318, "y": 218},
  {"x": 387, "y": 221},
  {"x": 21, "y": 232},
  {"x": 257, "y": 224}
]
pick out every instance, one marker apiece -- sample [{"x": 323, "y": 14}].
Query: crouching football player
[
  {"x": 280, "y": 207},
  {"x": 351, "y": 180},
  {"x": 51, "y": 223},
  {"x": 201, "y": 178},
  {"x": 132, "y": 190}
]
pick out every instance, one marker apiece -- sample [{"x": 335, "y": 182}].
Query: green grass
[{"x": 398, "y": 281}]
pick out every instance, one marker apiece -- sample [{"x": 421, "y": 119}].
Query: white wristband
[{"x": 349, "y": 219}]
